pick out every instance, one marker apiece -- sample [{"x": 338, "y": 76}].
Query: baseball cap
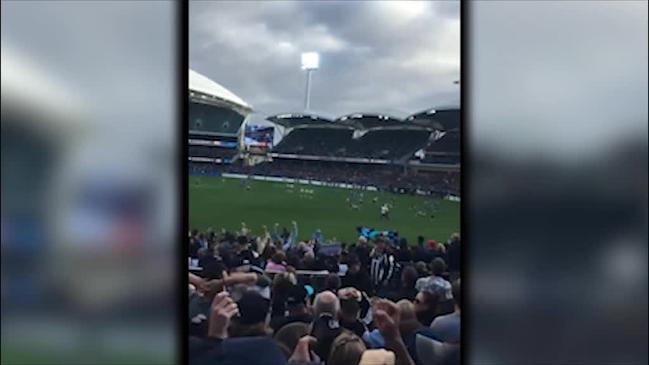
[
  {"x": 297, "y": 295},
  {"x": 253, "y": 307}
]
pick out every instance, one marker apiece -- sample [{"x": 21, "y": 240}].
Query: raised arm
[{"x": 387, "y": 316}]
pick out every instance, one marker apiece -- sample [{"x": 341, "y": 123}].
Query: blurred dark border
[
  {"x": 554, "y": 263},
  {"x": 182, "y": 42},
  {"x": 464, "y": 151}
]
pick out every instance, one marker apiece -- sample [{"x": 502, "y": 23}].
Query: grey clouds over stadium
[{"x": 374, "y": 56}]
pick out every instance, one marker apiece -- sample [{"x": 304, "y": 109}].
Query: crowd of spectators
[
  {"x": 212, "y": 152},
  {"x": 384, "y": 177},
  {"x": 270, "y": 298}
]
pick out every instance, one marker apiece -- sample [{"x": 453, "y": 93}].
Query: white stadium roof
[{"x": 202, "y": 84}]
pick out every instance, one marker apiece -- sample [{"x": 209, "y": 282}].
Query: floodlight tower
[{"x": 310, "y": 62}]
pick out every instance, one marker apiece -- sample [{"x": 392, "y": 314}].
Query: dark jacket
[
  {"x": 359, "y": 280},
  {"x": 235, "y": 351}
]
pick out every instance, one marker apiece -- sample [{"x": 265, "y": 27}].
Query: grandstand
[
  {"x": 418, "y": 153},
  {"x": 216, "y": 116},
  {"x": 316, "y": 141},
  {"x": 389, "y": 144},
  {"x": 367, "y": 136},
  {"x": 292, "y": 120}
]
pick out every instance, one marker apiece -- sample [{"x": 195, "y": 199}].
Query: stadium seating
[
  {"x": 389, "y": 144},
  {"x": 445, "y": 150},
  {"x": 213, "y": 119},
  {"x": 380, "y": 144},
  {"x": 212, "y": 152},
  {"x": 448, "y": 143},
  {"x": 316, "y": 141}
]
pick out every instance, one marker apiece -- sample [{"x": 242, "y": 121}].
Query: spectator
[
  {"x": 253, "y": 310},
  {"x": 235, "y": 351},
  {"x": 277, "y": 263},
  {"x": 288, "y": 336},
  {"x": 194, "y": 246},
  {"x": 381, "y": 267},
  {"x": 213, "y": 267},
  {"x": 349, "y": 312},
  {"x": 421, "y": 254},
  {"x": 332, "y": 283},
  {"x": 387, "y": 317},
  {"x": 408, "y": 322},
  {"x": 298, "y": 311},
  {"x": 245, "y": 254},
  {"x": 426, "y": 307},
  {"x": 356, "y": 277},
  {"x": 439, "y": 251},
  {"x": 407, "y": 288},
  {"x": 422, "y": 269},
  {"x": 346, "y": 349},
  {"x": 326, "y": 303},
  {"x": 293, "y": 259},
  {"x": 453, "y": 253},
  {"x": 267, "y": 253},
  {"x": 447, "y": 328},
  {"x": 282, "y": 284},
  {"x": 362, "y": 251},
  {"x": 435, "y": 283},
  {"x": 410, "y": 327},
  {"x": 325, "y": 327},
  {"x": 403, "y": 254},
  {"x": 308, "y": 263}
]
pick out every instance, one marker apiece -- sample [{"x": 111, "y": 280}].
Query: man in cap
[{"x": 297, "y": 307}]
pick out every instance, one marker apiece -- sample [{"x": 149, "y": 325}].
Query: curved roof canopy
[
  {"x": 370, "y": 120},
  {"x": 201, "y": 84},
  {"x": 298, "y": 119},
  {"x": 441, "y": 118}
]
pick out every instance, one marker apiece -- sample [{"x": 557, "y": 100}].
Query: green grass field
[{"x": 218, "y": 202}]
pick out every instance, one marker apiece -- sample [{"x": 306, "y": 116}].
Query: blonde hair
[
  {"x": 378, "y": 357},
  {"x": 407, "y": 309},
  {"x": 285, "y": 276},
  {"x": 346, "y": 349}
]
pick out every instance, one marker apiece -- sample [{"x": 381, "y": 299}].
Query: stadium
[
  {"x": 304, "y": 223},
  {"x": 350, "y": 165}
]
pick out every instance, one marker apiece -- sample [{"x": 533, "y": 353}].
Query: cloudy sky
[{"x": 374, "y": 56}]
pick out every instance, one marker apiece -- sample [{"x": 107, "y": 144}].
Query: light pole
[{"x": 310, "y": 62}]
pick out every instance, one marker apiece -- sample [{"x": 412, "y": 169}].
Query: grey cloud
[{"x": 374, "y": 55}]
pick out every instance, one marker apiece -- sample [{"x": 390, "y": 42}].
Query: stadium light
[{"x": 310, "y": 62}]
